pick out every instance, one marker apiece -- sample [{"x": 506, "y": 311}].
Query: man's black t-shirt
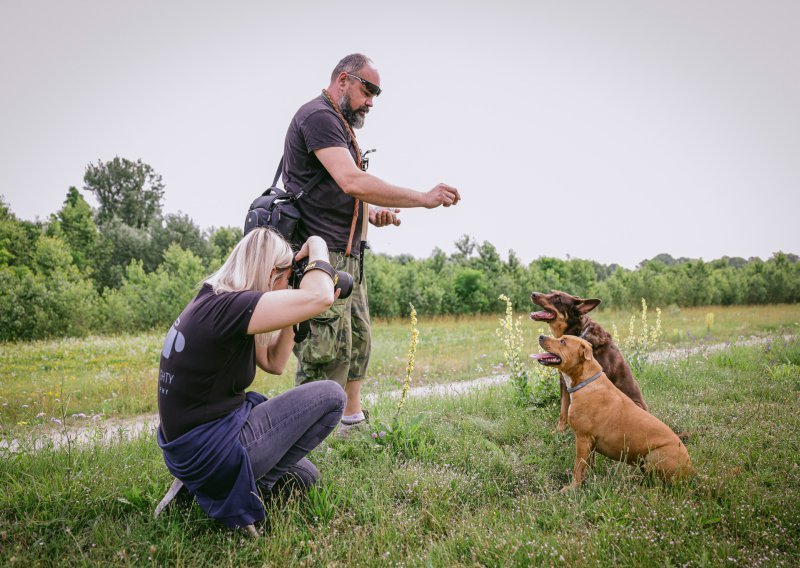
[
  {"x": 207, "y": 362},
  {"x": 326, "y": 210}
]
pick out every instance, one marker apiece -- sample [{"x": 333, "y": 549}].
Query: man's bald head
[{"x": 350, "y": 64}]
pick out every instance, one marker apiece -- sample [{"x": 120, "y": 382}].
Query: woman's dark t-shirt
[{"x": 207, "y": 362}]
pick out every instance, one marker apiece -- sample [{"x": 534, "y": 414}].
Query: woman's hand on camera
[{"x": 314, "y": 248}]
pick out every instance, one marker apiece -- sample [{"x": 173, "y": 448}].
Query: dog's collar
[{"x": 584, "y": 383}]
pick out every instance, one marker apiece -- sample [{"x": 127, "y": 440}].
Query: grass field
[
  {"x": 475, "y": 484},
  {"x": 80, "y": 380}
]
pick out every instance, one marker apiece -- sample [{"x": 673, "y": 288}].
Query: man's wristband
[{"x": 324, "y": 267}]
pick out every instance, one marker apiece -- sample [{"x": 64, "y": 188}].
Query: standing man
[{"x": 321, "y": 137}]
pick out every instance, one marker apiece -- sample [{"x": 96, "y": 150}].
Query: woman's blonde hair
[{"x": 254, "y": 263}]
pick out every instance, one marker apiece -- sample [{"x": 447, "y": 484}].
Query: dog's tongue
[
  {"x": 547, "y": 358},
  {"x": 544, "y": 356},
  {"x": 543, "y": 315}
]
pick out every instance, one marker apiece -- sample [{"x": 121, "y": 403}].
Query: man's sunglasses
[{"x": 372, "y": 88}]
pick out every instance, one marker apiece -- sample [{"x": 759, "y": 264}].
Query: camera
[{"x": 342, "y": 281}]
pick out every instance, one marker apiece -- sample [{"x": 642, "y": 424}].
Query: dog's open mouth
[
  {"x": 547, "y": 358},
  {"x": 544, "y": 315}
]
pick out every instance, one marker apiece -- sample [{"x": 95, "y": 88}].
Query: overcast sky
[{"x": 611, "y": 131}]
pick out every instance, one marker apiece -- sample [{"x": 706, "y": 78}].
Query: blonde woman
[{"x": 221, "y": 442}]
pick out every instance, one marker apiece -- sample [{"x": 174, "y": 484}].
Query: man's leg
[
  {"x": 339, "y": 345},
  {"x": 361, "y": 347},
  {"x": 353, "y": 391}
]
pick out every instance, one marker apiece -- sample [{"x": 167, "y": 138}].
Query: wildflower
[
  {"x": 40, "y": 415},
  {"x": 382, "y": 434},
  {"x": 374, "y": 435},
  {"x": 656, "y": 333},
  {"x": 79, "y": 415},
  {"x": 510, "y": 332},
  {"x": 412, "y": 350},
  {"x": 56, "y": 420},
  {"x": 644, "y": 322}
]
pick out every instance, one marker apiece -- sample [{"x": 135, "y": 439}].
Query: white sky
[{"x": 612, "y": 131}]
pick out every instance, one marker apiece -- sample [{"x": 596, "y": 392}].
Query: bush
[
  {"x": 146, "y": 300},
  {"x": 53, "y": 299}
]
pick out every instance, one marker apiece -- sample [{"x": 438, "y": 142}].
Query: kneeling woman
[{"x": 221, "y": 443}]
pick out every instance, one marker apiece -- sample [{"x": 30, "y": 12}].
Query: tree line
[{"x": 125, "y": 266}]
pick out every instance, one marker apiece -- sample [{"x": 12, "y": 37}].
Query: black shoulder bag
[{"x": 277, "y": 208}]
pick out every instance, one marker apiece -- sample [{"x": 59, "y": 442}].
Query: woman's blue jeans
[{"x": 281, "y": 431}]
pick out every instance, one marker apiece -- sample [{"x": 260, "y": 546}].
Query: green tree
[
  {"x": 384, "y": 285},
  {"x": 48, "y": 298},
  {"x": 75, "y": 224},
  {"x": 470, "y": 290},
  {"x": 222, "y": 241},
  {"x": 465, "y": 246},
  {"x": 148, "y": 299},
  {"x": 129, "y": 190},
  {"x": 178, "y": 229},
  {"x": 17, "y": 238},
  {"x": 118, "y": 245}
]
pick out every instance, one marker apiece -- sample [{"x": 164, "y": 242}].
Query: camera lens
[{"x": 344, "y": 282}]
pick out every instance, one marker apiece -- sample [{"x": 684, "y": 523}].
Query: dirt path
[{"x": 117, "y": 429}]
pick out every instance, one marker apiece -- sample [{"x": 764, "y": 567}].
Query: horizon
[{"x": 504, "y": 255}]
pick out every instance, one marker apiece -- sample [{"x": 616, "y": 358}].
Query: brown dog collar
[{"x": 579, "y": 386}]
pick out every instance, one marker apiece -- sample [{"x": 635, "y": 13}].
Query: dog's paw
[
  {"x": 567, "y": 488},
  {"x": 561, "y": 426}
]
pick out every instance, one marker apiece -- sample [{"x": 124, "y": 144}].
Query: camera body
[{"x": 342, "y": 281}]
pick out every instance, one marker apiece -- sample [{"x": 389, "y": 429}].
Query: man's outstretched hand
[{"x": 442, "y": 194}]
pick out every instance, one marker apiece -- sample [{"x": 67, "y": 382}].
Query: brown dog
[
  {"x": 607, "y": 421},
  {"x": 566, "y": 315}
]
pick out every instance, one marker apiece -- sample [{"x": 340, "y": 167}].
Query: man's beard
[{"x": 355, "y": 118}]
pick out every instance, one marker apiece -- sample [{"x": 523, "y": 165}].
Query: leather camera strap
[{"x": 358, "y": 163}]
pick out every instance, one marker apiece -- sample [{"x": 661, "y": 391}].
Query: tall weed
[
  {"x": 531, "y": 386},
  {"x": 403, "y": 436},
  {"x": 637, "y": 346}
]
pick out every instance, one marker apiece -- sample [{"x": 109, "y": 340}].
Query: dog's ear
[
  {"x": 586, "y": 351},
  {"x": 586, "y": 306}
]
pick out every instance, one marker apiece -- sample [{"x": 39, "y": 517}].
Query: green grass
[
  {"x": 115, "y": 377},
  {"x": 476, "y": 484}
]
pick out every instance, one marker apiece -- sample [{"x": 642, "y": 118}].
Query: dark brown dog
[
  {"x": 566, "y": 315},
  {"x": 607, "y": 421}
]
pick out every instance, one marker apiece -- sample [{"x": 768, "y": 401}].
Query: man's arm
[{"x": 361, "y": 185}]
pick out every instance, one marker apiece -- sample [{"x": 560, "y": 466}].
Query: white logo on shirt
[{"x": 174, "y": 340}]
